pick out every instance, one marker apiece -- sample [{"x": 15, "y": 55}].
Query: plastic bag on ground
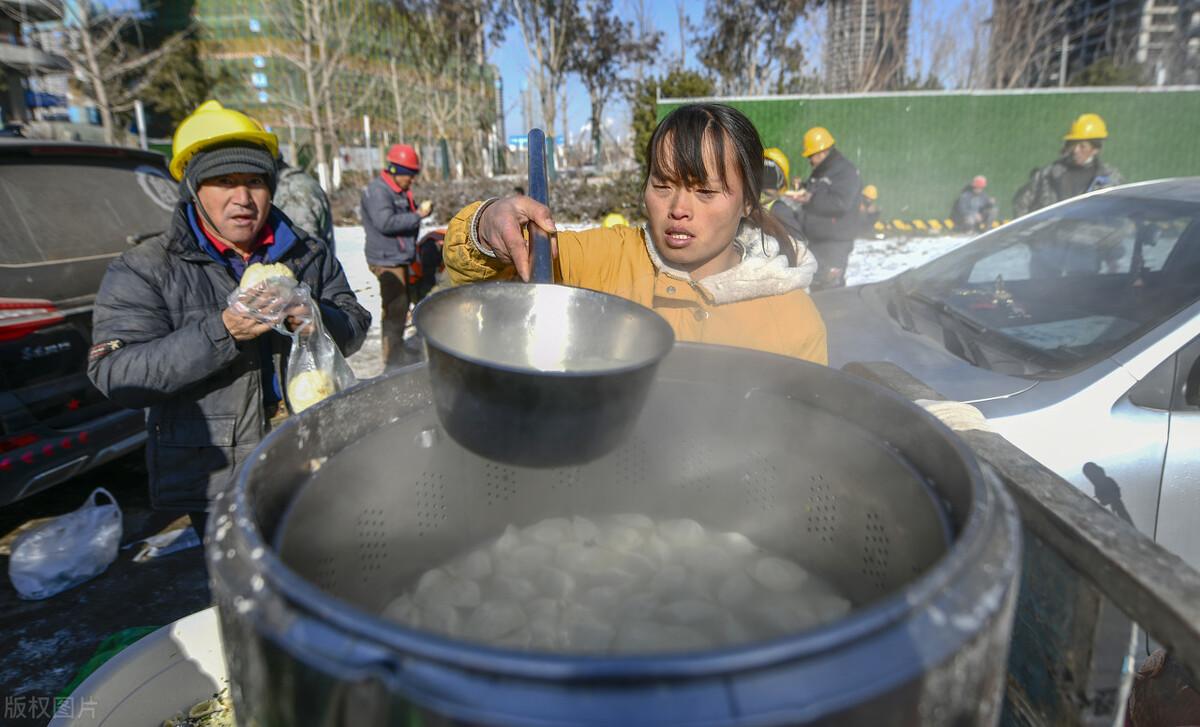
[
  {"x": 67, "y": 550},
  {"x": 316, "y": 368}
]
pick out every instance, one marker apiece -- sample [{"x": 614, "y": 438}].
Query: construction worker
[
  {"x": 1077, "y": 170},
  {"x": 775, "y": 184},
  {"x": 830, "y": 197},
  {"x": 868, "y": 209},
  {"x": 392, "y": 220},
  {"x": 974, "y": 210},
  {"x": 167, "y": 337},
  {"x": 301, "y": 198}
]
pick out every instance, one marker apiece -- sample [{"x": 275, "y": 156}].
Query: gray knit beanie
[{"x": 235, "y": 158}]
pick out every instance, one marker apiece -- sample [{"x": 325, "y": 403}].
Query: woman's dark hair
[{"x": 675, "y": 153}]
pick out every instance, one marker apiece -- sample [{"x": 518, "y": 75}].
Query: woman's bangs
[{"x": 677, "y": 152}]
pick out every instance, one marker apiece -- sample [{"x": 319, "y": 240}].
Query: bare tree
[
  {"x": 607, "y": 46},
  {"x": 645, "y": 29},
  {"x": 749, "y": 44},
  {"x": 445, "y": 59},
  {"x": 110, "y": 70},
  {"x": 548, "y": 28},
  {"x": 1021, "y": 33},
  {"x": 315, "y": 39},
  {"x": 883, "y": 47}
]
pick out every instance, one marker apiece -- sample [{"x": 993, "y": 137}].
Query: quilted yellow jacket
[{"x": 760, "y": 303}]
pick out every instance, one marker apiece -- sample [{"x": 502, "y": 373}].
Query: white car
[{"x": 1076, "y": 330}]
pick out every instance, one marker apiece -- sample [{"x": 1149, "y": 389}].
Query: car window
[
  {"x": 1069, "y": 285},
  {"x": 54, "y": 209}
]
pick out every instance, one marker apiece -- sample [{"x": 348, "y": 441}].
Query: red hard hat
[
  {"x": 405, "y": 156},
  {"x": 979, "y": 182}
]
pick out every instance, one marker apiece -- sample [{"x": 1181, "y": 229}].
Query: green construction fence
[{"x": 921, "y": 148}]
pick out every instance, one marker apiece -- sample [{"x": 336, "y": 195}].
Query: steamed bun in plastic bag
[
  {"x": 261, "y": 272},
  {"x": 309, "y": 387}
]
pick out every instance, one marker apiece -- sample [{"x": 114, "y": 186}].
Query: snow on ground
[{"x": 872, "y": 260}]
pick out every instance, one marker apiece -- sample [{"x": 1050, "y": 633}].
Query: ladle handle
[{"x": 543, "y": 265}]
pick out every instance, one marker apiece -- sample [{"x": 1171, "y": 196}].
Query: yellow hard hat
[
  {"x": 612, "y": 219},
  {"x": 817, "y": 139},
  {"x": 211, "y": 124},
  {"x": 776, "y": 155},
  {"x": 870, "y": 192},
  {"x": 1087, "y": 127}
]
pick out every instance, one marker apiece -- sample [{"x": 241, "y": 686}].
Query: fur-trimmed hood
[{"x": 763, "y": 271}]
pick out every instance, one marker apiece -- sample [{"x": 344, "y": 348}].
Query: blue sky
[
  {"x": 938, "y": 16},
  {"x": 513, "y": 61}
]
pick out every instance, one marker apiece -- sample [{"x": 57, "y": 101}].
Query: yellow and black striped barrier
[{"x": 922, "y": 228}]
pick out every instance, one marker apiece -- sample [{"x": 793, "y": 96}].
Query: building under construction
[
  {"x": 866, "y": 45},
  {"x": 1051, "y": 42}
]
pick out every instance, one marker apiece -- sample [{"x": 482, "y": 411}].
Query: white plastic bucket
[{"x": 165, "y": 672}]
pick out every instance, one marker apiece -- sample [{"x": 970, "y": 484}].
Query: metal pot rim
[
  {"x": 985, "y": 515},
  {"x": 666, "y": 337}
]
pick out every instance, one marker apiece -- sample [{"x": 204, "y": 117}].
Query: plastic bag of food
[
  {"x": 67, "y": 550},
  {"x": 316, "y": 368},
  {"x": 265, "y": 292}
]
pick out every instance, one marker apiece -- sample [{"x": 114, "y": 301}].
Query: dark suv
[{"x": 66, "y": 210}]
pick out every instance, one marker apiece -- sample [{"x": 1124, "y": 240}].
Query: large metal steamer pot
[{"x": 343, "y": 506}]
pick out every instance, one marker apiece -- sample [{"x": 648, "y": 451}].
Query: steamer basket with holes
[{"x": 345, "y": 506}]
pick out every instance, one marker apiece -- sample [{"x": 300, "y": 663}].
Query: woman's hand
[{"x": 499, "y": 230}]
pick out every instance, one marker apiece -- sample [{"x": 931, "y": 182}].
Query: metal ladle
[{"x": 538, "y": 374}]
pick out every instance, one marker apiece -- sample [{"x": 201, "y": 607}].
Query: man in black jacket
[
  {"x": 166, "y": 338},
  {"x": 392, "y": 220},
  {"x": 830, "y": 197}
]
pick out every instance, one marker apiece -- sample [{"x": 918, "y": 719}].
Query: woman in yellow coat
[{"x": 710, "y": 261}]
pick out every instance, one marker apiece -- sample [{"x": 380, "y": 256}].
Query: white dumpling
[
  {"x": 522, "y": 638},
  {"x": 543, "y": 618},
  {"x": 554, "y": 583},
  {"x": 637, "y": 565},
  {"x": 734, "y": 632},
  {"x": 683, "y": 638},
  {"x": 658, "y": 550},
  {"x": 441, "y": 620},
  {"x": 552, "y": 532},
  {"x": 784, "y": 615},
  {"x": 439, "y": 589},
  {"x": 585, "y": 530},
  {"x": 403, "y": 609},
  {"x": 511, "y": 588},
  {"x": 611, "y": 577},
  {"x": 828, "y": 606},
  {"x": 508, "y": 540},
  {"x": 778, "y": 574},
  {"x": 475, "y": 566},
  {"x": 691, "y": 611},
  {"x": 570, "y": 556},
  {"x": 590, "y": 636},
  {"x": 525, "y": 560},
  {"x": 620, "y": 538},
  {"x": 735, "y": 590},
  {"x": 494, "y": 619},
  {"x": 606, "y": 599},
  {"x": 708, "y": 558},
  {"x": 736, "y": 543},
  {"x": 638, "y": 607},
  {"x": 681, "y": 532},
  {"x": 669, "y": 579}
]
